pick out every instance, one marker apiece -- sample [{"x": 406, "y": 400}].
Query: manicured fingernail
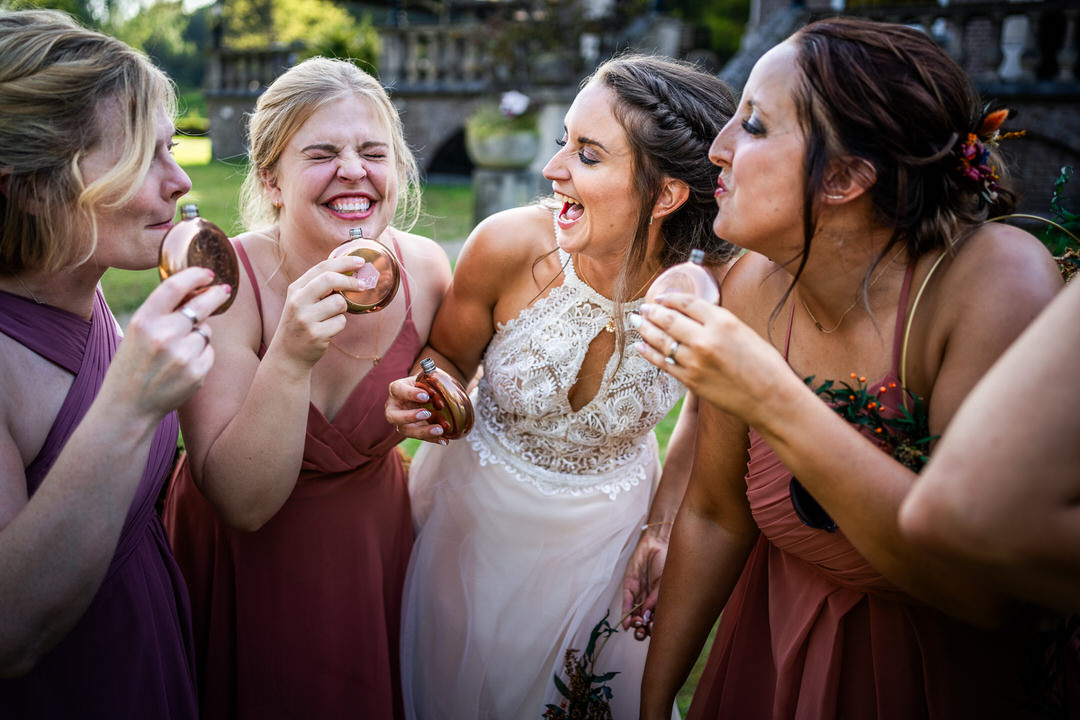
[
  {"x": 437, "y": 430},
  {"x": 422, "y": 397},
  {"x": 635, "y": 320},
  {"x": 645, "y": 309},
  {"x": 647, "y": 616},
  {"x": 228, "y": 289},
  {"x": 444, "y": 442},
  {"x": 423, "y": 415},
  {"x": 639, "y": 347}
]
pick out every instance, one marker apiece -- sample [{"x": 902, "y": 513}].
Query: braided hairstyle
[
  {"x": 887, "y": 94},
  {"x": 670, "y": 111},
  {"x": 55, "y": 78}
]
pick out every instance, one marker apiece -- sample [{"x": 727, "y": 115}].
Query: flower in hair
[{"x": 974, "y": 154}]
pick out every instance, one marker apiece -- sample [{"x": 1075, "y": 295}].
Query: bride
[{"x": 553, "y": 513}]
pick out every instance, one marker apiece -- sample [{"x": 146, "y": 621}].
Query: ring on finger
[
  {"x": 672, "y": 349},
  {"x": 190, "y": 315},
  {"x": 202, "y": 331}
]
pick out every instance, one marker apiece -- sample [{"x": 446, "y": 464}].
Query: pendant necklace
[
  {"x": 378, "y": 327},
  {"x": 610, "y": 326},
  {"x": 851, "y": 307}
]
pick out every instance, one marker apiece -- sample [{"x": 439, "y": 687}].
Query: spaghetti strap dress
[
  {"x": 812, "y": 631},
  {"x": 301, "y": 618},
  {"x": 131, "y": 653}
]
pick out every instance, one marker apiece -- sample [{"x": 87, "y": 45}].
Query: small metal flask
[
  {"x": 379, "y": 276},
  {"x": 197, "y": 242},
  {"x": 449, "y": 405}
]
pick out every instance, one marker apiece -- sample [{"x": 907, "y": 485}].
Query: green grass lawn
[{"x": 215, "y": 187}]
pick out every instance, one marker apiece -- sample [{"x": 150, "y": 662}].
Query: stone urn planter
[
  {"x": 504, "y": 136},
  {"x": 507, "y": 150}
]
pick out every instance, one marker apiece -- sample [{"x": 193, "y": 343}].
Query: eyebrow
[
  {"x": 583, "y": 140},
  {"x": 330, "y": 147}
]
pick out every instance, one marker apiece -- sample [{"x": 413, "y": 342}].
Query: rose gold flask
[
  {"x": 379, "y": 276},
  {"x": 689, "y": 277},
  {"x": 197, "y": 242},
  {"x": 450, "y": 405}
]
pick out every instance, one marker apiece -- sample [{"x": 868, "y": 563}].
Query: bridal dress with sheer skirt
[{"x": 526, "y": 525}]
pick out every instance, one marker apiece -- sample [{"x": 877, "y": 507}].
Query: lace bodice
[{"x": 523, "y": 414}]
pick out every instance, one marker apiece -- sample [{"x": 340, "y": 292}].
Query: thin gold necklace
[
  {"x": 851, "y": 307},
  {"x": 378, "y": 326},
  {"x": 610, "y": 326},
  {"x": 32, "y": 295}
]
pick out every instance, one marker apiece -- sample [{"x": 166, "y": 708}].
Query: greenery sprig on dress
[
  {"x": 906, "y": 438},
  {"x": 587, "y": 696}
]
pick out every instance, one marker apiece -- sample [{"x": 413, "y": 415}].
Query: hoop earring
[{"x": 833, "y": 197}]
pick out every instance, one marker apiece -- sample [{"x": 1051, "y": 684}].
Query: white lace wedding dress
[{"x": 526, "y": 525}]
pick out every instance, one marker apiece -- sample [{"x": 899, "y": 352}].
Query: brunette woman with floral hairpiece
[{"x": 871, "y": 264}]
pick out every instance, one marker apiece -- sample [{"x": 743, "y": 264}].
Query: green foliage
[
  {"x": 906, "y": 438},
  {"x": 1061, "y": 240},
  {"x": 722, "y": 20},
  {"x": 81, "y": 10},
  {"x": 322, "y": 27},
  {"x": 588, "y": 696}
]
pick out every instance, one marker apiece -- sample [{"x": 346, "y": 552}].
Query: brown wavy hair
[{"x": 887, "y": 94}]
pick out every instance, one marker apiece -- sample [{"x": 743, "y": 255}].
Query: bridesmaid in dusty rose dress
[
  {"x": 94, "y": 620},
  {"x": 854, "y": 174},
  {"x": 290, "y": 515}
]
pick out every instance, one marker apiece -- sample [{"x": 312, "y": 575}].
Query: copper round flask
[
  {"x": 197, "y": 242},
  {"x": 449, "y": 405},
  {"x": 379, "y": 276}
]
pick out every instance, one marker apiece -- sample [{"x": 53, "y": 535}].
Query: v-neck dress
[{"x": 301, "y": 618}]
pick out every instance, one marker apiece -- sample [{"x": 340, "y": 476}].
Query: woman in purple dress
[{"x": 94, "y": 618}]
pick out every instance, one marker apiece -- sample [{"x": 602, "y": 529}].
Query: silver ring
[
  {"x": 674, "y": 348},
  {"x": 202, "y": 331},
  {"x": 190, "y": 315}
]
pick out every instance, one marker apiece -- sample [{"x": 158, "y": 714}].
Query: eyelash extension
[
  {"x": 752, "y": 128},
  {"x": 585, "y": 160}
]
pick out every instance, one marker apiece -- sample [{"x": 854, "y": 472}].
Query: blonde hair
[
  {"x": 56, "y": 78},
  {"x": 288, "y": 103}
]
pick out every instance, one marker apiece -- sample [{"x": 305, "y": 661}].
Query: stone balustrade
[{"x": 1027, "y": 47}]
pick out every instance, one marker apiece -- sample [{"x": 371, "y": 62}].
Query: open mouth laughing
[{"x": 571, "y": 212}]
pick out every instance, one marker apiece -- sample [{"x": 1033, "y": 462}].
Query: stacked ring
[{"x": 674, "y": 348}]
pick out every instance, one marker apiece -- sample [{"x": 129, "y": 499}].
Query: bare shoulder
[
  {"x": 502, "y": 250},
  {"x": 752, "y": 287},
  {"x": 241, "y": 324},
  {"x": 509, "y": 236},
  {"x": 422, "y": 253},
  {"x": 1000, "y": 268}
]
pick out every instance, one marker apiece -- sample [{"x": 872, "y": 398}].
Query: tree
[{"x": 323, "y": 27}]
